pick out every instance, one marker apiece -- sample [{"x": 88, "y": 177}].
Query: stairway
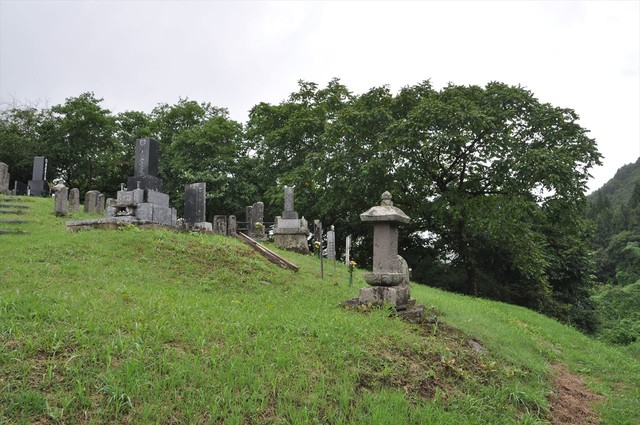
[{"x": 11, "y": 215}]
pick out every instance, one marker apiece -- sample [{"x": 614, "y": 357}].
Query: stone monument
[
  {"x": 195, "y": 205},
  {"x": 74, "y": 200},
  {"x": 38, "y": 185},
  {"x": 4, "y": 179},
  {"x": 257, "y": 220},
  {"x": 331, "y": 244},
  {"x": 91, "y": 201},
  {"x": 389, "y": 282},
  {"x": 143, "y": 202},
  {"x": 291, "y": 232},
  {"x": 61, "y": 199}
]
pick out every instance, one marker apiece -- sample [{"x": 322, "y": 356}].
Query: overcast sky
[{"x": 136, "y": 54}]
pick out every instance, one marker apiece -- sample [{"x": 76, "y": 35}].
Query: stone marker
[
  {"x": 100, "y": 203},
  {"x": 146, "y": 166},
  {"x": 74, "y": 200},
  {"x": 347, "y": 250},
  {"x": 317, "y": 231},
  {"x": 195, "y": 205},
  {"x": 91, "y": 201},
  {"x": 248, "y": 216},
  {"x": 19, "y": 188},
  {"x": 38, "y": 185},
  {"x": 289, "y": 231},
  {"x": 4, "y": 178},
  {"x": 232, "y": 226},
  {"x": 61, "y": 199},
  {"x": 257, "y": 220},
  {"x": 390, "y": 278},
  {"x": 220, "y": 225},
  {"x": 289, "y": 212},
  {"x": 331, "y": 244}
]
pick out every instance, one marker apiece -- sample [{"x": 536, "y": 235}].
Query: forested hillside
[
  {"x": 493, "y": 178},
  {"x": 615, "y": 211}
]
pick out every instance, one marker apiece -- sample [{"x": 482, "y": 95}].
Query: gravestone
[
  {"x": 248, "y": 217},
  {"x": 19, "y": 188},
  {"x": 4, "y": 178},
  {"x": 331, "y": 244},
  {"x": 232, "y": 226},
  {"x": 100, "y": 203},
  {"x": 220, "y": 225},
  {"x": 290, "y": 232},
  {"x": 257, "y": 219},
  {"x": 38, "y": 185},
  {"x": 347, "y": 250},
  {"x": 195, "y": 203},
  {"x": 390, "y": 278},
  {"x": 74, "y": 200},
  {"x": 61, "y": 199},
  {"x": 91, "y": 201},
  {"x": 317, "y": 231},
  {"x": 146, "y": 166}
]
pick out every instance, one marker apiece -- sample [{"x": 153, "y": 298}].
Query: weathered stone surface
[
  {"x": 157, "y": 198},
  {"x": 385, "y": 212},
  {"x": 395, "y": 296},
  {"x": 144, "y": 211},
  {"x": 317, "y": 231},
  {"x": 384, "y": 279},
  {"x": 147, "y": 156},
  {"x": 248, "y": 215},
  {"x": 144, "y": 182},
  {"x": 195, "y": 207},
  {"x": 163, "y": 215},
  {"x": 220, "y": 225},
  {"x": 74, "y": 200},
  {"x": 38, "y": 185},
  {"x": 100, "y": 203},
  {"x": 111, "y": 202},
  {"x": 232, "y": 225},
  {"x": 61, "y": 200},
  {"x": 347, "y": 250},
  {"x": 91, "y": 201},
  {"x": 4, "y": 178},
  {"x": 287, "y": 223},
  {"x": 292, "y": 242},
  {"x": 257, "y": 218},
  {"x": 331, "y": 244}
]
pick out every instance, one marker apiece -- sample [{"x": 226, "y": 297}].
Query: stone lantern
[{"x": 390, "y": 278}]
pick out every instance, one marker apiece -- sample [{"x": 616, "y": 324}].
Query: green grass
[{"x": 151, "y": 326}]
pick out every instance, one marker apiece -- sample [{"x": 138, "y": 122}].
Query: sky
[{"x": 138, "y": 54}]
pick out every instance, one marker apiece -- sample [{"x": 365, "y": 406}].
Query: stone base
[
  {"x": 395, "y": 296},
  {"x": 384, "y": 279},
  {"x": 413, "y": 314},
  {"x": 112, "y": 223},
  {"x": 38, "y": 187},
  {"x": 296, "y": 242}
]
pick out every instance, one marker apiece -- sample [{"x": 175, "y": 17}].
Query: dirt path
[{"x": 572, "y": 402}]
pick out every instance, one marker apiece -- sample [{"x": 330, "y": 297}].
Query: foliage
[{"x": 620, "y": 313}]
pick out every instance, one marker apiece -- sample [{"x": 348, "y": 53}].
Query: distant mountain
[{"x": 620, "y": 187}]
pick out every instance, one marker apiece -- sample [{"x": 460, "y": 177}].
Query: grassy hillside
[
  {"x": 619, "y": 188},
  {"x": 150, "y": 326}
]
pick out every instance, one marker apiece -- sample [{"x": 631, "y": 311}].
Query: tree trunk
[{"x": 470, "y": 267}]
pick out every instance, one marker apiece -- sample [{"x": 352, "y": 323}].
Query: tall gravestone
[
  {"x": 74, "y": 200},
  {"x": 248, "y": 214},
  {"x": 290, "y": 232},
  {"x": 91, "y": 201},
  {"x": 347, "y": 250},
  {"x": 257, "y": 219},
  {"x": 100, "y": 203},
  {"x": 61, "y": 200},
  {"x": 143, "y": 202},
  {"x": 232, "y": 226},
  {"x": 195, "y": 203},
  {"x": 38, "y": 185},
  {"x": 331, "y": 244},
  {"x": 4, "y": 178},
  {"x": 146, "y": 166},
  {"x": 389, "y": 282}
]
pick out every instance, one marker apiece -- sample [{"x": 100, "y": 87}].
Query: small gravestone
[
  {"x": 195, "y": 203},
  {"x": 61, "y": 199},
  {"x": 290, "y": 232},
  {"x": 331, "y": 244},
  {"x": 4, "y": 178},
  {"x": 390, "y": 278},
  {"x": 100, "y": 203},
  {"x": 220, "y": 225},
  {"x": 257, "y": 219},
  {"x": 91, "y": 201},
  {"x": 232, "y": 226},
  {"x": 74, "y": 200},
  {"x": 317, "y": 231},
  {"x": 38, "y": 185},
  {"x": 19, "y": 188}
]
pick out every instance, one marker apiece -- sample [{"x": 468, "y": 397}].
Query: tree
[{"x": 79, "y": 135}]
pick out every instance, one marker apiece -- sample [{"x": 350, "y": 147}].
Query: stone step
[
  {"x": 20, "y": 206},
  {"x": 13, "y": 221},
  {"x": 14, "y": 212},
  {"x": 12, "y": 231}
]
